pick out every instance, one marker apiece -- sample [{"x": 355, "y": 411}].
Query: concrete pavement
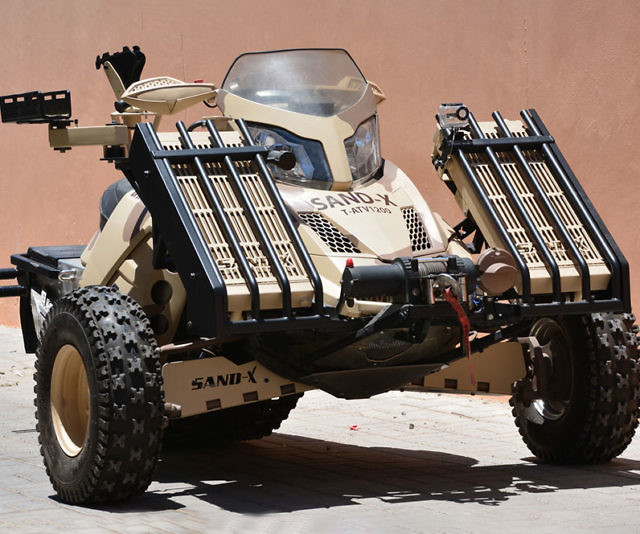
[{"x": 418, "y": 462}]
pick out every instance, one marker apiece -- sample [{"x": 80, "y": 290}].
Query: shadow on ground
[{"x": 285, "y": 473}]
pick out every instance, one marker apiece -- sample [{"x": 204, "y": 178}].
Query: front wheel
[
  {"x": 586, "y": 406},
  {"x": 98, "y": 397}
]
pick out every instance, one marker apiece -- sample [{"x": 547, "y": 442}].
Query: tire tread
[
  {"x": 612, "y": 406},
  {"x": 127, "y": 375}
]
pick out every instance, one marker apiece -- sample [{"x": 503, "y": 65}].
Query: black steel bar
[
  {"x": 586, "y": 212},
  {"x": 209, "y": 154},
  {"x": 550, "y": 211},
  {"x": 12, "y": 291},
  {"x": 502, "y": 231},
  {"x": 184, "y": 212},
  {"x": 285, "y": 324},
  {"x": 24, "y": 263},
  {"x": 521, "y": 212},
  {"x": 29, "y": 335},
  {"x": 256, "y": 224},
  {"x": 541, "y": 309},
  {"x": 312, "y": 272},
  {"x": 479, "y": 145},
  {"x": 8, "y": 274},
  {"x": 223, "y": 219},
  {"x": 481, "y": 343}
]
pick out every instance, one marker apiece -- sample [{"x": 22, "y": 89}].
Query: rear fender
[
  {"x": 127, "y": 226},
  {"x": 122, "y": 254}
]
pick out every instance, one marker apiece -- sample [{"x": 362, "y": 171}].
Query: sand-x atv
[{"x": 269, "y": 249}]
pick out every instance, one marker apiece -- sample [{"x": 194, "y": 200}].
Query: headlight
[
  {"x": 311, "y": 167},
  {"x": 363, "y": 150}
]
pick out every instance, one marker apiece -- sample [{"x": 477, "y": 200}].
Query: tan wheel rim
[{"x": 70, "y": 406}]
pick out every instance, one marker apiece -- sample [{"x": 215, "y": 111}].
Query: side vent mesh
[
  {"x": 417, "y": 233},
  {"x": 333, "y": 238}
]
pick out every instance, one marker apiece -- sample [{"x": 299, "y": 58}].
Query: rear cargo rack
[
  {"x": 529, "y": 199},
  {"x": 183, "y": 185}
]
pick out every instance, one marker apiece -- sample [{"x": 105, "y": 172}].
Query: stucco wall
[{"x": 575, "y": 62}]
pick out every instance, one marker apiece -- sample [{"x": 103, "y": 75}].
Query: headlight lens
[
  {"x": 363, "y": 150},
  {"x": 311, "y": 167}
]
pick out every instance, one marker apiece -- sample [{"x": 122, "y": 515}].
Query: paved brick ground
[{"x": 417, "y": 463}]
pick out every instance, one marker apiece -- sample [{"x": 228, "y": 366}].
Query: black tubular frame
[
  {"x": 254, "y": 220},
  {"x": 504, "y": 235},
  {"x": 616, "y": 261},
  {"x": 521, "y": 211},
  {"x": 548, "y": 208},
  {"x": 617, "y": 296},
  {"x": 278, "y": 203},
  {"x": 214, "y": 199},
  {"x": 150, "y": 170},
  {"x": 12, "y": 290}
]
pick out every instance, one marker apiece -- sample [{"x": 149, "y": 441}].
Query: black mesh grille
[
  {"x": 417, "y": 232},
  {"x": 333, "y": 238}
]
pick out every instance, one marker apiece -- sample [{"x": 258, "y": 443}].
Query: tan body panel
[
  {"x": 370, "y": 215},
  {"x": 495, "y": 370},
  {"x": 137, "y": 278},
  {"x": 127, "y": 226},
  {"x": 122, "y": 254},
  {"x": 209, "y": 384},
  {"x": 113, "y": 134},
  {"x": 330, "y": 131}
]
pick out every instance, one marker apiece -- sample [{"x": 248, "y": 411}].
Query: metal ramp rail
[
  {"x": 527, "y": 198},
  {"x": 180, "y": 242}
]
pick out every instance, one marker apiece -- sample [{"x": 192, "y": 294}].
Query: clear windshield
[{"x": 316, "y": 82}]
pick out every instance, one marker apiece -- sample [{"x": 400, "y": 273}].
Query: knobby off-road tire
[
  {"x": 597, "y": 356},
  {"x": 98, "y": 397},
  {"x": 240, "y": 423}
]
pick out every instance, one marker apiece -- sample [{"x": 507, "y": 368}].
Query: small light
[
  {"x": 199, "y": 80},
  {"x": 349, "y": 262}
]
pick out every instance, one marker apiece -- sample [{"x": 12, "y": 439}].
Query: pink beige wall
[{"x": 576, "y": 62}]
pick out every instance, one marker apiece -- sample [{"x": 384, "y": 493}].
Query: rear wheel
[
  {"x": 586, "y": 406},
  {"x": 98, "y": 397}
]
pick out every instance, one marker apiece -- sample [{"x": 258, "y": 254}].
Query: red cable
[{"x": 465, "y": 327}]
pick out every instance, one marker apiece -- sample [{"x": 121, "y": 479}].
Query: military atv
[{"x": 268, "y": 249}]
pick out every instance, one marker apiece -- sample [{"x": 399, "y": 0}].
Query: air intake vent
[
  {"x": 417, "y": 232},
  {"x": 333, "y": 238}
]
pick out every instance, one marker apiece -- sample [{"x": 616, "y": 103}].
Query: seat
[{"x": 110, "y": 198}]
